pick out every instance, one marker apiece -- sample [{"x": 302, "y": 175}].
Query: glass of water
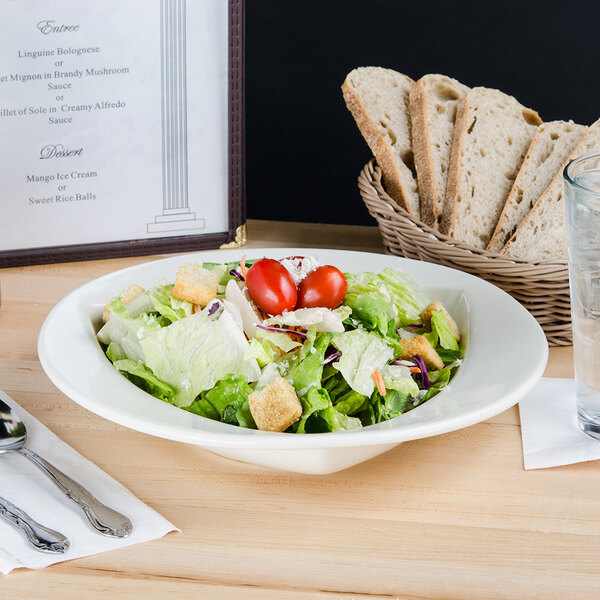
[{"x": 582, "y": 195}]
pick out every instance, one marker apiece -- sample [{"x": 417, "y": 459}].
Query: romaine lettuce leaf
[
  {"x": 261, "y": 350},
  {"x": 398, "y": 377},
  {"x": 308, "y": 371},
  {"x": 391, "y": 405},
  {"x": 362, "y": 353},
  {"x": 336, "y": 421},
  {"x": 192, "y": 354},
  {"x": 440, "y": 332},
  {"x": 408, "y": 298},
  {"x": 351, "y": 403},
  {"x": 144, "y": 378},
  {"x": 125, "y": 333},
  {"x": 204, "y": 408},
  {"x": 377, "y": 298},
  {"x": 229, "y": 397},
  {"x": 169, "y": 307},
  {"x": 449, "y": 356},
  {"x": 320, "y": 416},
  {"x": 370, "y": 308},
  {"x": 280, "y": 340},
  {"x": 232, "y": 390}
]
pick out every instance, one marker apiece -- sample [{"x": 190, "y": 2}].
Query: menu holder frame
[{"x": 234, "y": 236}]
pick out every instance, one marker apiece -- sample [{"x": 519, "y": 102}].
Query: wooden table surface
[{"x": 453, "y": 516}]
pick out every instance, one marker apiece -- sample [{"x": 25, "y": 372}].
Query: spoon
[
  {"x": 42, "y": 538},
  {"x": 104, "y": 519}
]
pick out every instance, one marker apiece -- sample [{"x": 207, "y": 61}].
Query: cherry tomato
[
  {"x": 325, "y": 286},
  {"x": 271, "y": 286}
]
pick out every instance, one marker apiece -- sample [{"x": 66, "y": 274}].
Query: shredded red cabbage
[
  {"x": 281, "y": 330},
  {"x": 215, "y": 311},
  {"x": 402, "y": 362},
  {"x": 334, "y": 357},
  {"x": 424, "y": 374},
  {"x": 237, "y": 274}
]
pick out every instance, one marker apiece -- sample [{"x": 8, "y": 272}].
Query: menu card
[{"x": 114, "y": 121}]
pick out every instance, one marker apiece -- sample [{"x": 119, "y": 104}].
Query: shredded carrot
[
  {"x": 415, "y": 369},
  {"x": 196, "y": 308},
  {"x": 243, "y": 266},
  {"x": 376, "y": 375}
]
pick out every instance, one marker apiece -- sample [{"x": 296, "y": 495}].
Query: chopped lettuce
[
  {"x": 204, "y": 363},
  {"x": 201, "y": 406},
  {"x": 320, "y": 416},
  {"x": 449, "y": 356},
  {"x": 440, "y": 332},
  {"x": 397, "y": 377},
  {"x": 377, "y": 298},
  {"x": 408, "y": 298},
  {"x": 308, "y": 371},
  {"x": 194, "y": 353},
  {"x": 223, "y": 270},
  {"x": 351, "y": 403},
  {"x": 362, "y": 353},
  {"x": 438, "y": 380},
  {"x": 125, "y": 333},
  {"x": 143, "y": 377},
  {"x": 369, "y": 308},
  {"x": 171, "y": 308},
  {"x": 229, "y": 397},
  {"x": 391, "y": 405},
  {"x": 283, "y": 341},
  {"x": 261, "y": 350}
]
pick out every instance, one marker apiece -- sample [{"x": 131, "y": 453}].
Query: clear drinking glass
[{"x": 582, "y": 195}]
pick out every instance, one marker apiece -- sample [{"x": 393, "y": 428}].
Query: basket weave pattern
[{"x": 541, "y": 287}]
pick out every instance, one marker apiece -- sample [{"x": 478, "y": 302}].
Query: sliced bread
[
  {"x": 492, "y": 133},
  {"x": 543, "y": 233},
  {"x": 433, "y": 103},
  {"x": 378, "y": 99},
  {"x": 546, "y": 156}
]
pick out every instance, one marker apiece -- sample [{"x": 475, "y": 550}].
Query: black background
[{"x": 304, "y": 152}]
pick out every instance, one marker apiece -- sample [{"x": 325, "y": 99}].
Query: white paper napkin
[
  {"x": 551, "y": 436},
  {"x": 23, "y": 484}
]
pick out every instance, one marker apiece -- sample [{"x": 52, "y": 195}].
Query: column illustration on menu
[{"x": 176, "y": 214}]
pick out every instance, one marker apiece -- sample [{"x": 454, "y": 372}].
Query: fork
[{"x": 42, "y": 538}]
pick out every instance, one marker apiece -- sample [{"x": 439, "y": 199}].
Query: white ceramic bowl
[{"x": 506, "y": 355}]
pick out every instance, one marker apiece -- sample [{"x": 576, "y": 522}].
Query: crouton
[
  {"x": 276, "y": 406},
  {"x": 195, "y": 284},
  {"x": 126, "y": 296},
  {"x": 437, "y": 306},
  {"x": 420, "y": 345}
]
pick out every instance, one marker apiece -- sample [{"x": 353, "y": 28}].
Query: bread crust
[
  {"x": 393, "y": 178},
  {"x": 427, "y": 93},
  {"x": 589, "y": 142},
  {"x": 474, "y": 115},
  {"x": 454, "y": 170},
  {"x": 421, "y": 141},
  {"x": 500, "y": 237},
  {"x": 554, "y": 194}
]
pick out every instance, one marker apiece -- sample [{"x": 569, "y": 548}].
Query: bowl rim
[{"x": 197, "y": 430}]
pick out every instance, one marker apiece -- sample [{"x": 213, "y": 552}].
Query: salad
[{"x": 284, "y": 345}]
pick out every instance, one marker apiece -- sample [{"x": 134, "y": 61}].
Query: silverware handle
[
  {"x": 42, "y": 538},
  {"x": 104, "y": 519}
]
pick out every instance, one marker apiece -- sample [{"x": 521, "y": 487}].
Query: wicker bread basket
[{"x": 541, "y": 287}]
